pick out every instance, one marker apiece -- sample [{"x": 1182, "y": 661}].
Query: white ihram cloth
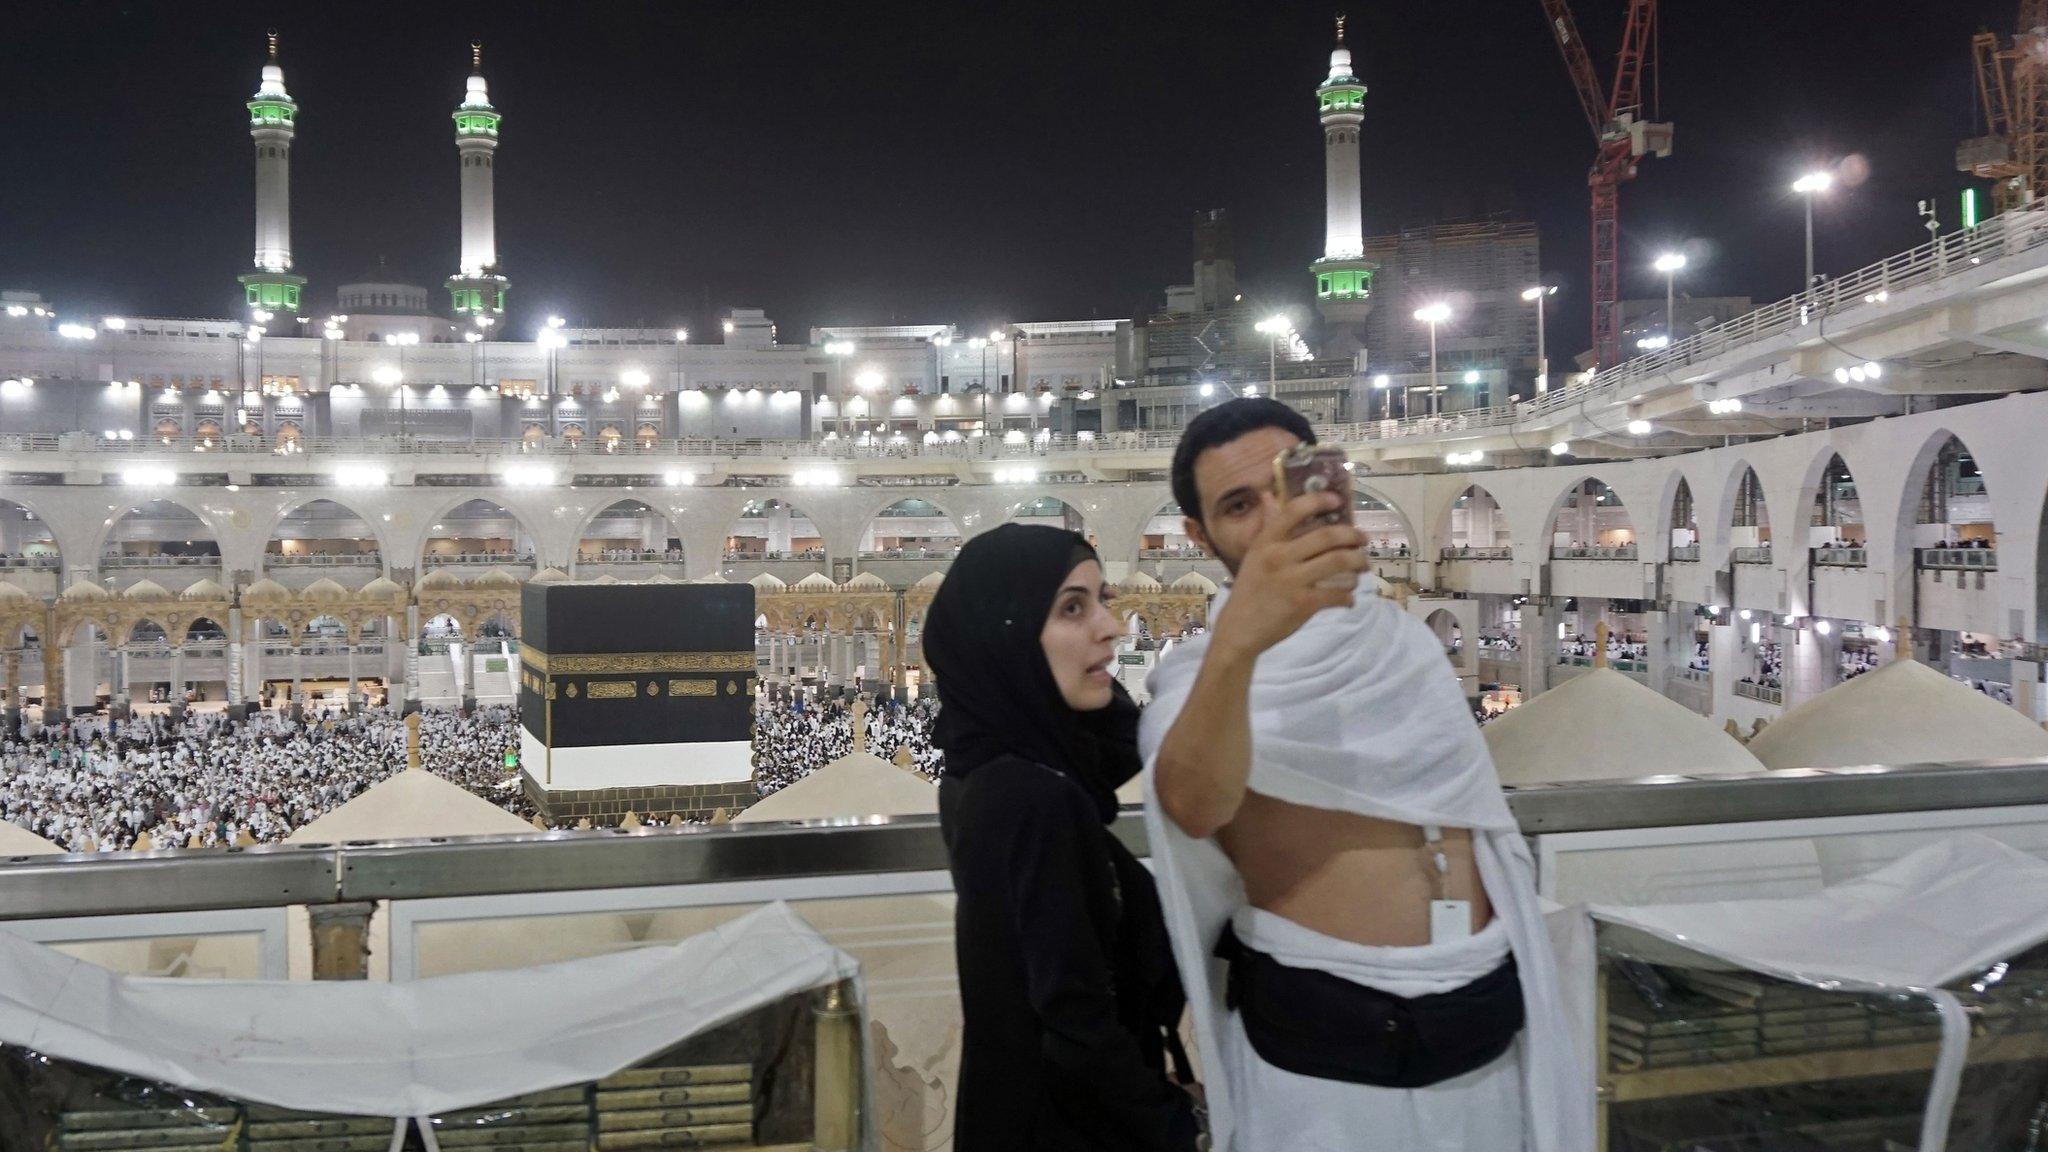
[{"x": 1359, "y": 712}]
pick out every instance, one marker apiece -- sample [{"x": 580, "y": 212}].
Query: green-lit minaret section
[
  {"x": 476, "y": 122},
  {"x": 477, "y": 290},
  {"x": 270, "y": 285}
]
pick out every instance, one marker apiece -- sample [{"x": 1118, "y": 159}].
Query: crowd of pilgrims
[
  {"x": 92, "y": 783},
  {"x": 95, "y": 783},
  {"x": 798, "y": 735},
  {"x": 1619, "y": 648}
]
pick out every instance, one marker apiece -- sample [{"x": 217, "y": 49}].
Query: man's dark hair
[{"x": 1219, "y": 426}]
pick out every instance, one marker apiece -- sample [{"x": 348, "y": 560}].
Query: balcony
[
  {"x": 1841, "y": 557},
  {"x": 1761, "y": 693},
  {"x": 370, "y": 559},
  {"x": 1956, "y": 559},
  {"x": 1594, "y": 552},
  {"x": 1463, "y": 553},
  {"x": 1685, "y": 553},
  {"x": 1752, "y": 555},
  {"x": 37, "y": 562},
  {"x": 433, "y": 560}
]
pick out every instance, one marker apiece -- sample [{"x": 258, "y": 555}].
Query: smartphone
[{"x": 1313, "y": 468}]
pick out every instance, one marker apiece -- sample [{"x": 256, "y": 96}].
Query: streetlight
[
  {"x": 1433, "y": 315},
  {"x": 551, "y": 339},
  {"x": 1537, "y": 294},
  {"x": 1274, "y": 327},
  {"x": 840, "y": 350},
  {"x": 1810, "y": 185},
  {"x": 391, "y": 377},
  {"x": 1669, "y": 264}
]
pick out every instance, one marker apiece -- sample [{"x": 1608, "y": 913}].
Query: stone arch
[
  {"x": 1681, "y": 515},
  {"x": 26, "y": 531},
  {"x": 940, "y": 531},
  {"x": 111, "y": 529},
  {"x": 213, "y": 629},
  {"x": 441, "y": 625},
  {"x": 1040, "y": 509},
  {"x": 1590, "y": 514},
  {"x": 277, "y": 523},
  {"x": 668, "y": 524},
  {"x": 434, "y": 528},
  {"x": 1449, "y": 633},
  {"x": 1827, "y": 497},
  {"x": 1742, "y": 506},
  {"x": 1456, "y": 528},
  {"x": 1379, "y": 517},
  {"x": 146, "y": 629},
  {"x": 763, "y": 513}
]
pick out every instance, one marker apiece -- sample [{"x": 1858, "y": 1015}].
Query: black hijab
[{"x": 997, "y": 695}]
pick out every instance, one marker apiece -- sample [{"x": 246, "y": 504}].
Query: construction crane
[
  {"x": 2012, "y": 90},
  {"x": 1624, "y": 136}
]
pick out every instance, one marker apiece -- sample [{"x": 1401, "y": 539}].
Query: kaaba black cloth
[{"x": 1066, "y": 978}]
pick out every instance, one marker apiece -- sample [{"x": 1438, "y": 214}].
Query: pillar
[
  {"x": 238, "y": 706},
  {"x": 412, "y": 658},
  {"x": 2026, "y": 690},
  {"x": 1657, "y": 655},
  {"x": 1585, "y": 529},
  {"x": 1539, "y": 646},
  {"x": 354, "y": 695},
  {"x": 10, "y": 716},
  {"x": 178, "y": 681},
  {"x": 1811, "y": 662},
  {"x": 779, "y": 525}
]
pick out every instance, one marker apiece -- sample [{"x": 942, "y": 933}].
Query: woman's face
[{"x": 1080, "y": 638}]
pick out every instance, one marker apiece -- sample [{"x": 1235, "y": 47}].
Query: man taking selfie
[{"x": 1352, "y": 906}]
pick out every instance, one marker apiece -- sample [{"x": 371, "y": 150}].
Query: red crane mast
[{"x": 1623, "y": 136}]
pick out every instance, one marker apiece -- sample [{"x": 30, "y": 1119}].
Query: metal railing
[
  {"x": 1692, "y": 675},
  {"x": 322, "y": 559},
  {"x": 1477, "y": 554},
  {"x": 1617, "y": 665},
  {"x": 1594, "y": 552},
  {"x": 1399, "y": 552},
  {"x": 767, "y": 557},
  {"x": 1752, "y": 555},
  {"x": 477, "y": 559},
  {"x": 1841, "y": 557},
  {"x": 910, "y": 554},
  {"x": 39, "y": 560},
  {"x": 157, "y": 561},
  {"x": 1190, "y": 552},
  {"x": 1964, "y": 559},
  {"x": 1759, "y": 692},
  {"x": 643, "y": 556},
  {"x": 1685, "y": 553}
]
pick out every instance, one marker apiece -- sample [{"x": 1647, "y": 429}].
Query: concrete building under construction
[{"x": 1479, "y": 268}]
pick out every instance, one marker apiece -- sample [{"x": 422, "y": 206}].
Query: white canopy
[
  {"x": 411, "y": 1048},
  {"x": 1903, "y": 713},
  {"x": 410, "y": 805},
  {"x": 18, "y": 841},
  {"x": 1601, "y": 725},
  {"x": 858, "y": 784}
]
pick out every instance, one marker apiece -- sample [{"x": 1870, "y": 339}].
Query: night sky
[{"x": 895, "y": 163}]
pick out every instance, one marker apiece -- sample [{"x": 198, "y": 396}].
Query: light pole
[
  {"x": 839, "y": 350},
  {"x": 550, "y": 339},
  {"x": 1537, "y": 294},
  {"x": 1433, "y": 315},
  {"x": 981, "y": 381},
  {"x": 391, "y": 377},
  {"x": 1669, "y": 264},
  {"x": 1274, "y": 327},
  {"x": 1810, "y": 185},
  {"x": 682, "y": 338}
]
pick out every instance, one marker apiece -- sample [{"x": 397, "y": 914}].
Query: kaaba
[{"x": 636, "y": 698}]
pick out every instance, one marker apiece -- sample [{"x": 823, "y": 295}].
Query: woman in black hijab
[{"x": 1066, "y": 978}]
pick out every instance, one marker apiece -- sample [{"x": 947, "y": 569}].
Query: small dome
[
  {"x": 324, "y": 590},
  {"x": 382, "y": 587},
  {"x": 767, "y": 582},
  {"x": 495, "y": 578},
  {"x": 607, "y": 578},
  {"x": 1195, "y": 582},
  {"x": 13, "y": 593},
  {"x": 549, "y": 576},
  {"x": 265, "y": 591},
  {"x": 146, "y": 590},
  {"x": 86, "y": 590},
  {"x": 440, "y": 578},
  {"x": 932, "y": 580},
  {"x": 816, "y": 582},
  {"x": 868, "y": 582},
  {"x": 658, "y": 578},
  {"x": 1903, "y": 713},
  {"x": 1142, "y": 582},
  {"x": 204, "y": 589},
  {"x": 857, "y": 784}
]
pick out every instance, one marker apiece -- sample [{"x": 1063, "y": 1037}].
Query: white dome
[
  {"x": 18, "y": 841},
  {"x": 816, "y": 582},
  {"x": 440, "y": 578},
  {"x": 13, "y": 592},
  {"x": 930, "y": 580},
  {"x": 203, "y": 589},
  {"x": 146, "y": 590},
  {"x": 1601, "y": 725},
  {"x": 325, "y": 591},
  {"x": 768, "y": 582},
  {"x": 549, "y": 576},
  {"x": 1194, "y": 582},
  {"x": 496, "y": 578},
  {"x": 1903, "y": 713},
  {"x": 714, "y": 578},
  {"x": 868, "y": 582},
  {"x": 858, "y": 784},
  {"x": 85, "y": 589},
  {"x": 382, "y": 586},
  {"x": 265, "y": 590},
  {"x": 1141, "y": 582}
]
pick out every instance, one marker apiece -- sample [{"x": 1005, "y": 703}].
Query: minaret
[
  {"x": 1343, "y": 275},
  {"x": 272, "y": 124},
  {"x": 476, "y": 290}
]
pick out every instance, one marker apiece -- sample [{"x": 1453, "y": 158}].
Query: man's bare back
[{"x": 1346, "y": 875}]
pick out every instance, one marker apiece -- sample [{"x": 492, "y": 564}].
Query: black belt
[{"x": 1313, "y": 1023}]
